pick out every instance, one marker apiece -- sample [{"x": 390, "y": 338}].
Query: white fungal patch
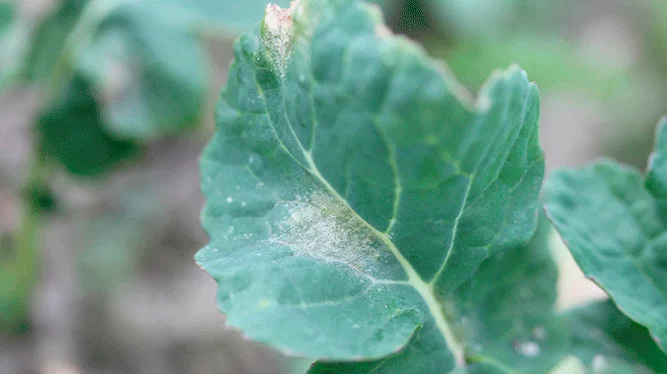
[
  {"x": 528, "y": 349},
  {"x": 322, "y": 227},
  {"x": 277, "y": 35}
]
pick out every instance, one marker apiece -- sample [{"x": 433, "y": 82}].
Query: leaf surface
[
  {"x": 352, "y": 187},
  {"x": 607, "y": 341},
  {"x": 504, "y": 316},
  {"x": 613, "y": 219}
]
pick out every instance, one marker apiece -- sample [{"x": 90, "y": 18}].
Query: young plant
[{"x": 367, "y": 215}]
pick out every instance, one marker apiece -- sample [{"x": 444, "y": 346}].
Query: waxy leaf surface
[
  {"x": 352, "y": 188},
  {"x": 504, "y": 317},
  {"x": 614, "y": 220}
]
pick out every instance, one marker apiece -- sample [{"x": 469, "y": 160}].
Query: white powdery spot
[
  {"x": 322, "y": 227},
  {"x": 600, "y": 364},
  {"x": 528, "y": 349},
  {"x": 278, "y": 32}
]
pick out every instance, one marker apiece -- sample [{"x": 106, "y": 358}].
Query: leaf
[
  {"x": 613, "y": 220},
  {"x": 7, "y": 14},
  {"x": 496, "y": 19},
  {"x": 505, "y": 315},
  {"x": 12, "y": 44},
  {"x": 72, "y": 132},
  {"x": 550, "y": 61},
  {"x": 351, "y": 186},
  {"x": 152, "y": 70},
  {"x": 150, "y": 67},
  {"x": 607, "y": 341},
  {"x": 49, "y": 38}
]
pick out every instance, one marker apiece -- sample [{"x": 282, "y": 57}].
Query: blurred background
[{"x": 105, "y": 106}]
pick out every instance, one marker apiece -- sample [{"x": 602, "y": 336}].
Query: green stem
[
  {"x": 27, "y": 239},
  {"x": 19, "y": 275}
]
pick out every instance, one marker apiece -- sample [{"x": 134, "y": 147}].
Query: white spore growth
[
  {"x": 322, "y": 227},
  {"x": 277, "y": 33},
  {"x": 528, "y": 349}
]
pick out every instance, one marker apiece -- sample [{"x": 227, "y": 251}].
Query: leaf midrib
[{"x": 425, "y": 289}]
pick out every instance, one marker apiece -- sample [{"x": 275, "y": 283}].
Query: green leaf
[
  {"x": 551, "y": 61},
  {"x": 352, "y": 187},
  {"x": 613, "y": 219},
  {"x": 496, "y": 19},
  {"x": 49, "y": 38},
  {"x": 504, "y": 315},
  {"x": 143, "y": 57},
  {"x": 72, "y": 133},
  {"x": 607, "y": 341},
  {"x": 13, "y": 33},
  {"x": 152, "y": 70},
  {"x": 7, "y": 14}
]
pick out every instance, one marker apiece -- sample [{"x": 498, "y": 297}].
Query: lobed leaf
[
  {"x": 614, "y": 220},
  {"x": 354, "y": 192}
]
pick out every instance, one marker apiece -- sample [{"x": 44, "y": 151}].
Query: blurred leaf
[
  {"x": 494, "y": 19},
  {"x": 614, "y": 220},
  {"x": 72, "y": 133},
  {"x": 42, "y": 199},
  {"x": 7, "y": 14},
  {"x": 153, "y": 73},
  {"x": 608, "y": 342},
  {"x": 49, "y": 38},
  {"x": 552, "y": 64},
  {"x": 148, "y": 69},
  {"x": 13, "y": 35}
]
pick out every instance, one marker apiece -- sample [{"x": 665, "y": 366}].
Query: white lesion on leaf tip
[
  {"x": 278, "y": 20},
  {"x": 277, "y": 36}
]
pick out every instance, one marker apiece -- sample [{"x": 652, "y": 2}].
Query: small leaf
[
  {"x": 607, "y": 341},
  {"x": 143, "y": 59},
  {"x": 613, "y": 219},
  {"x": 72, "y": 133},
  {"x": 49, "y": 38},
  {"x": 152, "y": 72},
  {"x": 352, "y": 187}
]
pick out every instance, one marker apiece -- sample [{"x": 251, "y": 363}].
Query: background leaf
[
  {"x": 614, "y": 225},
  {"x": 72, "y": 132},
  {"x": 609, "y": 342}
]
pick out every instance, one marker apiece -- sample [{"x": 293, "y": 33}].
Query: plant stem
[{"x": 19, "y": 275}]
